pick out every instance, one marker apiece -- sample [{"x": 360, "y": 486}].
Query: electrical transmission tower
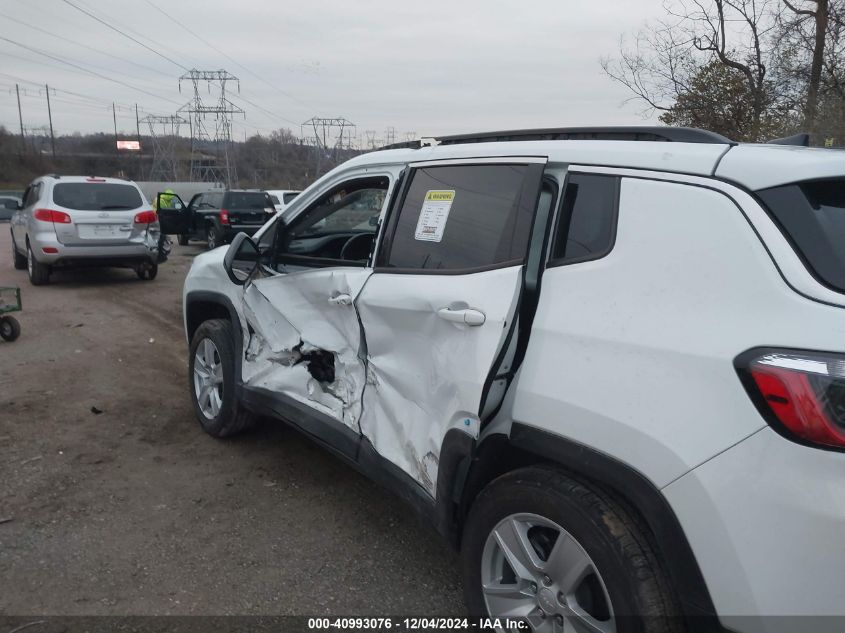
[
  {"x": 329, "y": 137},
  {"x": 390, "y": 135},
  {"x": 164, "y": 133},
  {"x": 219, "y": 166}
]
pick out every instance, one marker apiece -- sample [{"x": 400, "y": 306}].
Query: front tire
[
  {"x": 39, "y": 274},
  {"x": 10, "y": 329},
  {"x": 211, "y": 372},
  {"x": 18, "y": 259},
  {"x": 560, "y": 554}
]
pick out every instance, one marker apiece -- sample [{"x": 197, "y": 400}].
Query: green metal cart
[{"x": 10, "y": 301}]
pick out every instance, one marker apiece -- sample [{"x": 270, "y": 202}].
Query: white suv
[{"x": 611, "y": 371}]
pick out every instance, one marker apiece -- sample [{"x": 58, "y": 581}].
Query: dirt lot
[{"x": 136, "y": 511}]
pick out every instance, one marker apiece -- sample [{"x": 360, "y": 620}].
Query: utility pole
[
  {"x": 20, "y": 118},
  {"x": 114, "y": 115},
  {"x": 138, "y": 130},
  {"x": 50, "y": 117}
]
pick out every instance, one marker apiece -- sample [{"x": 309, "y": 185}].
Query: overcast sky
[{"x": 429, "y": 67}]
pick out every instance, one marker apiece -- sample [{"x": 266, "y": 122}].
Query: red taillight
[
  {"x": 224, "y": 216},
  {"x": 49, "y": 215},
  {"x": 803, "y": 392},
  {"x": 146, "y": 217}
]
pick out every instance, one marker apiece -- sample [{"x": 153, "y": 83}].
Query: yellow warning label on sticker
[
  {"x": 440, "y": 196},
  {"x": 434, "y": 214}
]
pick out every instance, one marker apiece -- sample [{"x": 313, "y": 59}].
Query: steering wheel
[{"x": 357, "y": 247}]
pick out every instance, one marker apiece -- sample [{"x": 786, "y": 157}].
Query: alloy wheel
[
  {"x": 535, "y": 572},
  {"x": 208, "y": 378}
]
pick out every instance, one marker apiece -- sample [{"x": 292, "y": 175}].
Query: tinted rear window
[
  {"x": 96, "y": 196},
  {"x": 812, "y": 214},
  {"x": 247, "y": 200}
]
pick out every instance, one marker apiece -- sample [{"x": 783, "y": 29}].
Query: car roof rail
[
  {"x": 802, "y": 140},
  {"x": 618, "y": 133}
]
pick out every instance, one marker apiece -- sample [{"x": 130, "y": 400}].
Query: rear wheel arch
[{"x": 499, "y": 454}]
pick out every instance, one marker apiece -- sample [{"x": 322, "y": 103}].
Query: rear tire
[
  {"x": 182, "y": 239},
  {"x": 147, "y": 272},
  {"x": 533, "y": 511},
  {"x": 10, "y": 329},
  {"x": 212, "y": 236},
  {"x": 18, "y": 259},
  {"x": 211, "y": 380},
  {"x": 39, "y": 274}
]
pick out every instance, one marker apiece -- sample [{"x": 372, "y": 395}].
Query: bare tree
[{"x": 667, "y": 56}]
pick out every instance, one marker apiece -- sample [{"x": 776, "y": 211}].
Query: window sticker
[{"x": 433, "y": 215}]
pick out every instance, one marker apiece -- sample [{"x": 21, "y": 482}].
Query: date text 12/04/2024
[{"x": 415, "y": 624}]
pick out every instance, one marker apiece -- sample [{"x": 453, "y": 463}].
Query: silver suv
[{"x": 80, "y": 221}]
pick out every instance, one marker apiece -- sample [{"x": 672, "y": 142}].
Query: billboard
[{"x": 134, "y": 146}]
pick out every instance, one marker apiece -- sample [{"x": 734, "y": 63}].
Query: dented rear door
[{"x": 442, "y": 301}]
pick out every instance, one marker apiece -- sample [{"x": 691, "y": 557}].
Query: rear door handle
[
  {"x": 340, "y": 300},
  {"x": 468, "y": 316}
]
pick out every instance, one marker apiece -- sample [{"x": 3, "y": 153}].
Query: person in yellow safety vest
[{"x": 168, "y": 199}]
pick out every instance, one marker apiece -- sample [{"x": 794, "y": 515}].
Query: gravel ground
[{"x": 135, "y": 511}]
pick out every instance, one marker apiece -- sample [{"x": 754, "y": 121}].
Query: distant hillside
[{"x": 277, "y": 161}]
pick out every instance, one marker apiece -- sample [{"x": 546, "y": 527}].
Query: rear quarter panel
[{"x": 633, "y": 354}]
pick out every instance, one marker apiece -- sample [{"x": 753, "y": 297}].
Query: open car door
[{"x": 172, "y": 214}]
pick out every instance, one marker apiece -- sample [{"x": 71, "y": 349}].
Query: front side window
[
  {"x": 465, "y": 217},
  {"x": 340, "y": 225},
  {"x": 812, "y": 215},
  {"x": 96, "y": 196},
  {"x": 586, "y": 224}
]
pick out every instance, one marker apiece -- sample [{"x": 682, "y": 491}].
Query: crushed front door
[{"x": 303, "y": 339}]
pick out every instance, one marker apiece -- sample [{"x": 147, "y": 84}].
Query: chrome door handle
[
  {"x": 340, "y": 300},
  {"x": 467, "y": 316}
]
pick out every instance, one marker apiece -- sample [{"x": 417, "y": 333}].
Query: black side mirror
[{"x": 241, "y": 259}]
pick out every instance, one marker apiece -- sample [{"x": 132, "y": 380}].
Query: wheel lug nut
[
  {"x": 533, "y": 587},
  {"x": 559, "y": 620},
  {"x": 547, "y": 581}
]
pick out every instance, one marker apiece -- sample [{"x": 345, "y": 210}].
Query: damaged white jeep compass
[{"x": 607, "y": 364}]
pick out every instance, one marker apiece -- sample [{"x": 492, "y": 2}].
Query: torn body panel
[
  {"x": 434, "y": 379},
  {"x": 303, "y": 339}
]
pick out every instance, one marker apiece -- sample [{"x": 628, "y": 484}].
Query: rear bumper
[
  {"x": 68, "y": 256},
  {"x": 764, "y": 520}
]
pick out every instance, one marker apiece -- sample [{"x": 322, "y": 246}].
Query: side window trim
[
  {"x": 561, "y": 212},
  {"x": 380, "y": 261}
]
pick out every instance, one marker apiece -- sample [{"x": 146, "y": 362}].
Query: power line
[
  {"x": 85, "y": 70},
  {"x": 90, "y": 48},
  {"x": 117, "y": 30},
  {"x": 213, "y": 47}
]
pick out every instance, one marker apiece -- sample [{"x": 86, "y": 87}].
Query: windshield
[
  {"x": 247, "y": 200},
  {"x": 96, "y": 196},
  {"x": 812, "y": 215}
]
